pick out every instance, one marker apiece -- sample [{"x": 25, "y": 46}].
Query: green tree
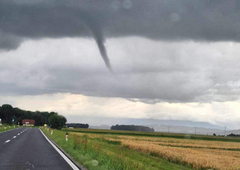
[
  {"x": 63, "y": 120},
  {"x": 55, "y": 121},
  {"x": 7, "y": 112}
]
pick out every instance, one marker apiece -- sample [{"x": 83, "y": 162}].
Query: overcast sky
[{"x": 162, "y": 59}]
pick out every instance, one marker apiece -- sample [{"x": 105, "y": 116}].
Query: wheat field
[{"x": 198, "y": 154}]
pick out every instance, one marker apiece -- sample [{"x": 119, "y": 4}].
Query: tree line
[
  {"x": 8, "y": 114},
  {"x": 77, "y": 125},
  {"x": 132, "y": 128}
]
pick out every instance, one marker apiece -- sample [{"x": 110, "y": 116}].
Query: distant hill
[
  {"x": 155, "y": 122},
  {"x": 100, "y": 127},
  {"x": 178, "y": 126},
  {"x": 187, "y": 129},
  {"x": 180, "y": 129}
]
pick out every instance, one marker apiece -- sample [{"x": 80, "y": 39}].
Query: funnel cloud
[{"x": 99, "y": 38}]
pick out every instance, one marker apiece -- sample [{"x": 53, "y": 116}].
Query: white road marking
[
  {"x": 74, "y": 167},
  {"x": 18, "y": 134},
  {"x": 30, "y": 164},
  {"x": 14, "y": 137},
  {"x": 7, "y": 141}
]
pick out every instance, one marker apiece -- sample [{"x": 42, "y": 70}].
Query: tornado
[
  {"x": 100, "y": 42},
  {"x": 97, "y": 33}
]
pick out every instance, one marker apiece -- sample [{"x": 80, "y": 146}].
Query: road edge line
[{"x": 70, "y": 162}]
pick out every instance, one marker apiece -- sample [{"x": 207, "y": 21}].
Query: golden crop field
[{"x": 199, "y": 154}]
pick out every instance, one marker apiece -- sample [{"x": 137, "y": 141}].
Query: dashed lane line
[
  {"x": 13, "y": 137},
  {"x": 7, "y": 141}
]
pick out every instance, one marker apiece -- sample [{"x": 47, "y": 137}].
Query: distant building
[{"x": 28, "y": 122}]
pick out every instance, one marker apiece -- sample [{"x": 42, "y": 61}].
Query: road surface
[{"x": 28, "y": 149}]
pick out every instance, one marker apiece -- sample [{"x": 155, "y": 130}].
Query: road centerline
[{"x": 7, "y": 141}]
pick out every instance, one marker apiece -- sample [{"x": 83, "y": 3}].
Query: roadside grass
[
  {"x": 99, "y": 153},
  {"x": 154, "y": 134}
]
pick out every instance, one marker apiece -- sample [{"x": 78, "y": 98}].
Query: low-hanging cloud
[{"x": 205, "y": 20}]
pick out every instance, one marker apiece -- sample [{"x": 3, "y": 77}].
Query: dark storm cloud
[
  {"x": 160, "y": 19},
  {"x": 146, "y": 71},
  {"x": 205, "y": 20},
  {"x": 8, "y": 41}
]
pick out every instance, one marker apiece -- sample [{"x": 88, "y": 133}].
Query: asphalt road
[{"x": 28, "y": 149}]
